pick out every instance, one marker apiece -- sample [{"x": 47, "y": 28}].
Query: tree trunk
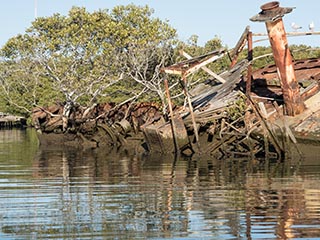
[{"x": 65, "y": 115}]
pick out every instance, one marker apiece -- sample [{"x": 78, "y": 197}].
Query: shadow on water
[{"x": 105, "y": 194}]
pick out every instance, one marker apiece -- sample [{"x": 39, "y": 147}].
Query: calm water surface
[{"x": 88, "y": 194}]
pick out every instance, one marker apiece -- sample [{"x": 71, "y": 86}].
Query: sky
[{"x": 207, "y": 19}]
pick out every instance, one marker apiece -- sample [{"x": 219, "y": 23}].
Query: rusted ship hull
[{"x": 104, "y": 126}]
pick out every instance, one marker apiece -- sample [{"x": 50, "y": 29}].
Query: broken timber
[{"x": 188, "y": 67}]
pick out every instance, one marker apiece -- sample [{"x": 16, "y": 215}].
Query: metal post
[{"x": 272, "y": 15}]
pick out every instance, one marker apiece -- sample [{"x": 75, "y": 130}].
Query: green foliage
[
  {"x": 297, "y": 51},
  {"x": 237, "y": 109},
  {"x": 258, "y": 60},
  {"x": 79, "y": 58},
  {"x": 21, "y": 88},
  {"x": 303, "y": 52}
]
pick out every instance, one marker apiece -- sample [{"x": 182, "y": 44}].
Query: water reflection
[{"x": 101, "y": 194}]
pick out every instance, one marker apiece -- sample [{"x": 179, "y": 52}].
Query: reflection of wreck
[{"x": 249, "y": 113}]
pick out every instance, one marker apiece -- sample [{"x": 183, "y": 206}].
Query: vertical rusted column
[
  {"x": 283, "y": 60},
  {"x": 272, "y": 15}
]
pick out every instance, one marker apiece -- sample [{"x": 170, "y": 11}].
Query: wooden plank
[
  {"x": 213, "y": 74},
  {"x": 173, "y": 126},
  {"x": 192, "y": 64},
  {"x": 202, "y": 64},
  {"x": 172, "y": 71}
]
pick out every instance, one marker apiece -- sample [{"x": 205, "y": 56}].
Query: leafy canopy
[{"x": 78, "y": 58}]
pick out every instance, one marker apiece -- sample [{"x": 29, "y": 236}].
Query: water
[{"x": 99, "y": 194}]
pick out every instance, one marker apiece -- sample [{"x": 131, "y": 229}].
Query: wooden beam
[
  {"x": 195, "y": 128},
  {"x": 173, "y": 126},
  {"x": 213, "y": 74},
  {"x": 172, "y": 71},
  {"x": 239, "y": 46},
  {"x": 202, "y": 64}
]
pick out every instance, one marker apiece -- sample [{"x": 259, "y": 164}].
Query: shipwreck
[
  {"x": 250, "y": 113},
  {"x": 238, "y": 113}
]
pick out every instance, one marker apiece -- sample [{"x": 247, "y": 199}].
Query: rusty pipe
[{"x": 272, "y": 15}]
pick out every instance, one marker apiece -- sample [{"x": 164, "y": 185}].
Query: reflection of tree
[{"x": 20, "y": 145}]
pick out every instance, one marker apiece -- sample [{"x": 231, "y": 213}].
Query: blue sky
[{"x": 206, "y": 18}]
